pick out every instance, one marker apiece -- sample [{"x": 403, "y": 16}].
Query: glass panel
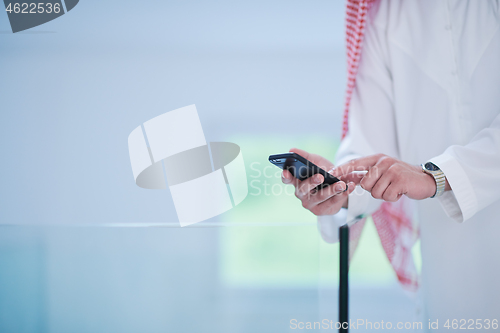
[{"x": 210, "y": 279}]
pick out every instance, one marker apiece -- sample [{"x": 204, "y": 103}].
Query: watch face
[{"x": 431, "y": 166}]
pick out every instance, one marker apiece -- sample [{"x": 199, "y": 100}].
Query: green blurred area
[{"x": 260, "y": 254}]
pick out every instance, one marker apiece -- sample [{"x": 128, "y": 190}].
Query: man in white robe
[{"x": 428, "y": 90}]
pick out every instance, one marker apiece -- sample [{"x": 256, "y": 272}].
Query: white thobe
[{"x": 428, "y": 89}]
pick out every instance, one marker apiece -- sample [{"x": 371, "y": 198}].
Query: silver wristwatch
[{"x": 433, "y": 170}]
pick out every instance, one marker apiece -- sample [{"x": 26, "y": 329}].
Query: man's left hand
[{"x": 388, "y": 178}]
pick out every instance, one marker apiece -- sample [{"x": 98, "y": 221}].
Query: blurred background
[{"x": 83, "y": 249}]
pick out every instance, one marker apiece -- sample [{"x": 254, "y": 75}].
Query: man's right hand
[{"x": 328, "y": 200}]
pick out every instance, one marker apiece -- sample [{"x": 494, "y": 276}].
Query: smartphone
[{"x": 301, "y": 168}]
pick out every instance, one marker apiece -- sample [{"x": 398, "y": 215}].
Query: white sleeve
[
  {"x": 371, "y": 103},
  {"x": 473, "y": 172}
]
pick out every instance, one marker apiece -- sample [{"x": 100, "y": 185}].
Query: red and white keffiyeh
[{"x": 394, "y": 225}]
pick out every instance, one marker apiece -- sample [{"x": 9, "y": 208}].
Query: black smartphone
[{"x": 301, "y": 168}]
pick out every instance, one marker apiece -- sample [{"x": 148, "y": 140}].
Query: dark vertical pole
[{"x": 344, "y": 279}]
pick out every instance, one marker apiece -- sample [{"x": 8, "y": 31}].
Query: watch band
[{"x": 438, "y": 175}]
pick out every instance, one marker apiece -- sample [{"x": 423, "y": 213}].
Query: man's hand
[
  {"x": 326, "y": 201},
  {"x": 388, "y": 178}
]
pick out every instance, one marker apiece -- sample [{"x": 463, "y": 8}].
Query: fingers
[
  {"x": 333, "y": 204},
  {"x": 392, "y": 193},
  {"x": 323, "y": 194},
  {"x": 302, "y": 188},
  {"x": 327, "y": 192},
  {"x": 354, "y": 177},
  {"x": 287, "y": 178},
  {"x": 382, "y": 181},
  {"x": 372, "y": 176},
  {"x": 359, "y": 164},
  {"x": 306, "y": 190},
  {"x": 307, "y": 185},
  {"x": 381, "y": 177},
  {"x": 375, "y": 173},
  {"x": 380, "y": 187}
]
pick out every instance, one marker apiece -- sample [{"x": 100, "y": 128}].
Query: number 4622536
[
  {"x": 33, "y": 8},
  {"x": 471, "y": 324}
]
